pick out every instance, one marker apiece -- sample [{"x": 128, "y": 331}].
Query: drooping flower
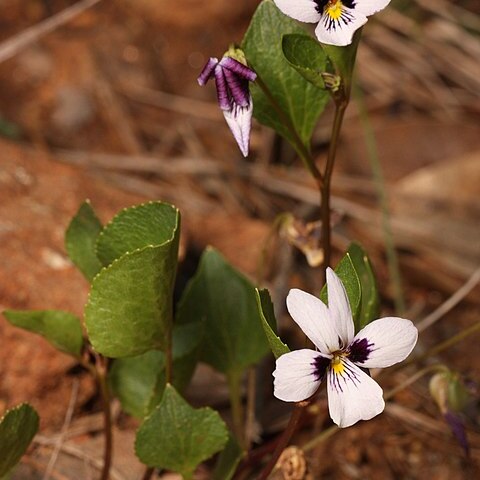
[
  {"x": 231, "y": 80},
  {"x": 337, "y": 19},
  {"x": 341, "y": 356}
]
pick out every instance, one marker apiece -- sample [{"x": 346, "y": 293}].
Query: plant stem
[
  {"x": 148, "y": 473},
  {"x": 107, "y": 415},
  {"x": 98, "y": 370},
  {"x": 285, "y": 438},
  {"x": 379, "y": 181},
  {"x": 340, "y": 107},
  {"x": 234, "y": 384},
  {"x": 300, "y": 147}
]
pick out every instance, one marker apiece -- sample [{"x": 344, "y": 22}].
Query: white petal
[
  {"x": 353, "y": 395},
  {"x": 296, "y": 376},
  {"x": 339, "y": 307},
  {"x": 339, "y": 32},
  {"x": 388, "y": 341},
  {"x": 303, "y": 10},
  {"x": 313, "y": 317},
  {"x": 369, "y": 7},
  {"x": 239, "y": 119}
]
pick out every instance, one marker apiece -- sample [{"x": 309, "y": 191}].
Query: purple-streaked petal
[
  {"x": 369, "y": 7},
  {"x": 207, "y": 71},
  {"x": 238, "y": 88},
  {"x": 224, "y": 100},
  {"x": 239, "y": 119},
  {"x": 339, "y": 31},
  {"x": 339, "y": 307},
  {"x": 352, "y": 394},
  {"x": 298, "y": 375},
  {"x": 313, "y": 317},
  {"x": 239, "y": 68},
  {"x": 302, "y": 10},
  {"x": 383, "y": 342}
]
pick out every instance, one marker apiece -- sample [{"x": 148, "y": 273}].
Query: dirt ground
[{"x": 108, "y": 108}]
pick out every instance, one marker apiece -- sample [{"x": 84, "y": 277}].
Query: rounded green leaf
[
  {"x": 129, "y": 309},
  {"x": 178, "y": 437},
  {"x": 306, "y": 56},
  {"x": 225, "y": 299},
  {"x": 81, "y": 238},
  {"x": 138, "y": 382},
  {"x": 62, "y": 329},
  {"x": 17, "y": 429},
  {"x": 149, "y": 224}
]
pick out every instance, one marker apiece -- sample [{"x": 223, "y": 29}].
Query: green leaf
[
  {"x": 63, "y": 330},
  {"x": 225, "y": 299},
  {"x": 228, "y": 460},
  {"x": 306, "y": 56},
  {"x": 178, "y": 437},
  {"x": 129, "y": 309},
  {"x": 149, "y": 224},
  {"x": 348, "y": 275},
  {"x": 343, "y": 59},
  {"x": 139, "y": 382},
  {"x": 80, "y": 240},
  {"x": 17, "y": 429},
  {"x": 269, "y": 322},
  {"x": 370, "y": 304},
  {"x": 295, "y": 100}
]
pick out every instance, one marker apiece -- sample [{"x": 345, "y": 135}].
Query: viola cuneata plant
[
  {"x": 231, "y": 80},
  {"x": 337, "y": 19},
  {"x": 341, "y": 356}
]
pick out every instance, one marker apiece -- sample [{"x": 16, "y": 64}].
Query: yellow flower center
[
  {"x": 334, "y": 9},
  {"x": 337, "y": 364}
]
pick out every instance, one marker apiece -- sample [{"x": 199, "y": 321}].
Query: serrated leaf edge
[{"x": 135, "y": 207}]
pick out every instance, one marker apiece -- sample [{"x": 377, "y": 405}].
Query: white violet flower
[
  {"x": 232, "y": 81},
  {"x": 337, "y": 19},
  {"x": 341, "y": 356}
]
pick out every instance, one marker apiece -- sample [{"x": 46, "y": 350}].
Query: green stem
[
  {"x": 320, "y": 438},
  {"x": 326, "y": 240},
  {"x": 304, "y": 153},
  {"x": 234, "y": 384},
  {"x": 379, "y": 181}
]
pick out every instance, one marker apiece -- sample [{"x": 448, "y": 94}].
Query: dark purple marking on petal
[
  {"x": 321, "y": 4},
  {"x": 338, "y": 380},
  {"x": 238, "y": 88},
  {"x": 224, "y": 100},
  {"x": 359, "y": 351},
  {"x": 239, "y": 68},
  {"x": 207, "y": 71},
  {"x": 321, "y": 365}
]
